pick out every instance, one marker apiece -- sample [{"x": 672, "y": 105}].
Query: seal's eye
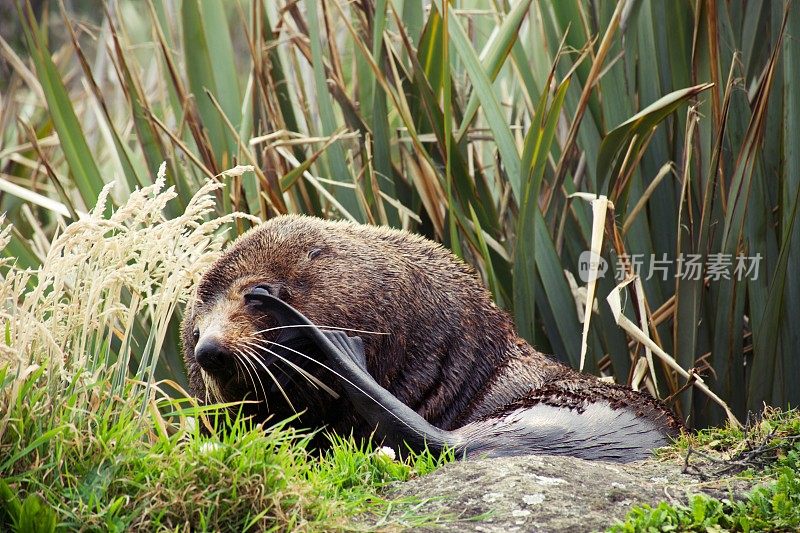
[
  {"x": 314, "y": 252},
  {"x": 196, "y": 334}
]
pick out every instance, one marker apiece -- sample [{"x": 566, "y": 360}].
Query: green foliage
[
  {"x": 771, "y": 446},
  {"x": 32, "y": 515},
  {"x": 111, "y": 470},
  {"x": 352, "y": 464},
  {"x": 772, "y": 441},
  {"x": 772, "y": 508}
]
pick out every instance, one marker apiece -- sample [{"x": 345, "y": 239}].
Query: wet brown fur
[{"x": 450, "y": 353}]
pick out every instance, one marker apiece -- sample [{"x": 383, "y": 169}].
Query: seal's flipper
[
  {"x": 599, "y": 431},
  {"x": 351, "y": 347},
  {"x": 394, "y": 421}
]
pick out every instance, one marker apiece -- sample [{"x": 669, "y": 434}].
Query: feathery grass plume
[{"x": 76, "y": 313}]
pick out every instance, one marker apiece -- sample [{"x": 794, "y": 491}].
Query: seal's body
[{"x": 432, "y": 343}]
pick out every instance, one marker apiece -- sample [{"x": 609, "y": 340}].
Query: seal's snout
[{"x": 211, "y": 355}]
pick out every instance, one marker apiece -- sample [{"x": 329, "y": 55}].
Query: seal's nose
[{"x": 211, "y": 355}]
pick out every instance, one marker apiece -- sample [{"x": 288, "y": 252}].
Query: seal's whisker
[
  {"x": 254, "y": 375},
  {"x": 236, "y": 365},
  {"x": 246, "y": 358},
  {"x": 336, "y": 328},
  {"x": 238, "y": 370},
  {"x": 266, "y": 348},
  {"x": 311, "y": 378},
  {"x": 241, "y": 358},
  {"x": 213, "y": 394},
  {"x": 243, "y": 361},
  {"x": 254, "y": 356},
  {"x": 303, "y": 372},
  {"x": 209, "y": 387},
  {"x": 240, "y": 362},
  {"x": 288, "y": 373},
  {"x": 362, "y": 391}
]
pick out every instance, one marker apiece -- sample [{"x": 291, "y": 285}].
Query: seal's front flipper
[
  {"x": 393, "y": 420},
  {"x": 351, "y": 347}
]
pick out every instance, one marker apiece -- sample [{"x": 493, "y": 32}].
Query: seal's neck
[{"x": 523, "y": 370}]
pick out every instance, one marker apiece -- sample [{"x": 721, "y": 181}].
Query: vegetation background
[
  {"x": 471, "y": 126},
  {"x": 470, "y": 122}
]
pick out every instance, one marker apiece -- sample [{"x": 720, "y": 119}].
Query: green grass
[
  {"x": 767, "y": 452},
  {"x": 112, "y": 469},
  {"x": 772, "y": 508}
]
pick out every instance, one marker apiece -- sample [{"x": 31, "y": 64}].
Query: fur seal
[{"x": 300, "y": 311}]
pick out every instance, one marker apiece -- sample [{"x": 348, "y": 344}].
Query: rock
[{"x": 549, "y": 493}]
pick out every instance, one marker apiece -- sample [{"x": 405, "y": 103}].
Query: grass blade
[{"x": 85, "y": 174}]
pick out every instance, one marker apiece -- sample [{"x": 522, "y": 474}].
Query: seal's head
[{"x": 435, "y": 334}]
